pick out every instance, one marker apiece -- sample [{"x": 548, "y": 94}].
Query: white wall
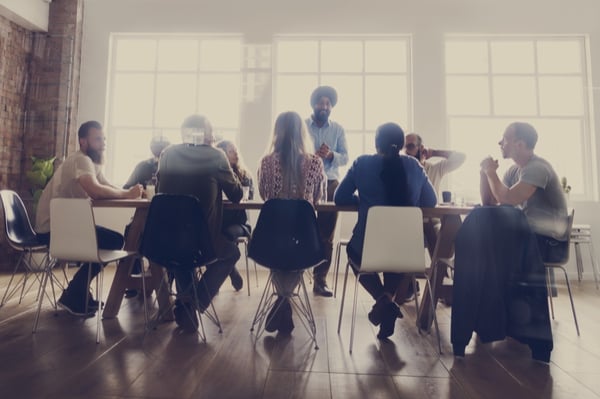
[
  {"x": 426, "y": 20},
  {"x": 30, "y": 14}
]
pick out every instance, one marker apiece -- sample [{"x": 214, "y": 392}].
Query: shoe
[
  {"x": 390, "y": 313},
  {"x": 185, "y": 316},
  {"x": 286, "y": 323},
  {"x": 273, "y": 316},
  {"x": 236, "y": 279},
  {"x": 320, "y": 288},
  {"x": 75, "y": 304},
  {"x": 92, "y": 303},
  {"x": 131, "y": 293}
]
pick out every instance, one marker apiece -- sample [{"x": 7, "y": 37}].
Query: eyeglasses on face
[{"x": 411, "y": 146}]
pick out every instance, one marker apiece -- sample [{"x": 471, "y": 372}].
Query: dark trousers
[
  {"x": 107, "y": 239},
  {"x": 371, "y": 282},
  {"x": 212, "y": 278},
  {"x": 326, "y": 222}
]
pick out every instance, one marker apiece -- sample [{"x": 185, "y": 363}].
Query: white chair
[
  {"x": 393, "y": 243},
  {"x": 73, "y": 239},
  {"x": 582, "y": 234}
]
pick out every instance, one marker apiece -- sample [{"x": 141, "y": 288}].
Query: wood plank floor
[{"x": 62, "y": 359}]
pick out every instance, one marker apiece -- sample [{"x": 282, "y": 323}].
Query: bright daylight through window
[
  {"x": 371, "y": 75},
  {"x": 492, "y": 81},
  {"x": 156, "y": 81}
]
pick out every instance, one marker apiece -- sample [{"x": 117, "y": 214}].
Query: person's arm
[
  {"x": 96, "y": 190},
  {"x": 339, "y": 155},
  {"x": 514, "y": 195},
  {"x": 452, "y": 159},
  {"x": 345, "y": 192},
  {"x": 229, "y": 182},
  {"x": 487, "y": 198}
]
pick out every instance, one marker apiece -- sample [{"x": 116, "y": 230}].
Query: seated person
[
  {"x": 291, "y": 171},
  {"x": 235, "y": 222},
  {"x": 80, "y": 176},
  {"x": 384, "y": 178},
  {"x": 144, "y": 174},
  {"x": 532, "y": 184},
  {"x": 197, "y": 168}
]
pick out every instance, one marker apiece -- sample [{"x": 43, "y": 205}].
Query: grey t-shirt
[{"x": 546, "y": 209}]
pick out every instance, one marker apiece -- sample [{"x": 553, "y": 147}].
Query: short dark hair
[
  {"x": 84, "y": 129},
  {"x": 526, "y": 132}
]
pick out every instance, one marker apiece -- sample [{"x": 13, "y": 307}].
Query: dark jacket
[{"x": 499, "y": 282}]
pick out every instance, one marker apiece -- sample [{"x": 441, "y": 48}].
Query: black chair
[
  {"x": 286, "y": 238},
  {"x": 176, "y": 237},
  {"x": 23, "y": 238}
]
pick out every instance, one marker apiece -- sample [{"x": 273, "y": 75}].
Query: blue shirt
[
  {"x": 332, "y": 134},
  {"x": 363, "y": 176}
]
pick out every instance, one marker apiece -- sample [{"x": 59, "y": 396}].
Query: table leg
[{"x": 444, "y": 249}]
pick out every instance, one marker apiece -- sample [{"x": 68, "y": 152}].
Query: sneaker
[
  {"x": 391, "y": 312},
  {"x": 185, "y": 316},
  {"x": 320, "y": 288},
  {"x": 75, "y": 304},
  {"x": 131, "y": 293},
  {"x": 92, "y": 303},
  {"x": 236, "y": 279}
]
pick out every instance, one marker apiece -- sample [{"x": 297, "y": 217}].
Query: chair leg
[
  {"x": 549, "y": 289},
  {"x": 247, "y": 267},
  {"x": 145, "y": 297},
  {"x": 265, "y": 303},
  {"x": 99, "y": 286},
  {"x": 343, "y": 298},
  {"x": 305, "y": 311},
  {"x": 210, "y": 312},
  {"x": 39, "y": 307},
  {"x": 338, "y": 249},
  {"x": 571, "y": 298},
  {"x": 578, "y": 262},
  {"x": 435, "y": 321},
  {"x": 355, "y": 301}
]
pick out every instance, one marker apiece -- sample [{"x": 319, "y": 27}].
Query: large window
[
  {"x": 493, "y": 81},
  {"x": 156, "y": 81},
  {"x": 371, "y": 75}
]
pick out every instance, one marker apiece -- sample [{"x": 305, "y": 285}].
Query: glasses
[{"x": 411, "y": 146}]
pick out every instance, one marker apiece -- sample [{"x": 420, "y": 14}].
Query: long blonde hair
[{"x": 291, "y": 142}]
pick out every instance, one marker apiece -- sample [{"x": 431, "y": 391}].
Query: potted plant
[{"x": 39, "y": 175}]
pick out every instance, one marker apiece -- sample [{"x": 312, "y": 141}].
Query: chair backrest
[
  {"x": 286, "y": 236},
  {"x": 394, "y": 240},
  {"x": 176, "y": 234},
  {"x": 17, "y": 225},
  {"x": 73, "y": 230},
  {"x": 566, "y": 256}
]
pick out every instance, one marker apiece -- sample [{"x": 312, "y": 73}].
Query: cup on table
[
  {"x": 150, "y": 191},
  {"x": 246, "y": 193},
  {"x": 446, "y": 197}
]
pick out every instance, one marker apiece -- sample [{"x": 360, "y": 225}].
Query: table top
[{"x": 439, "y": 211}]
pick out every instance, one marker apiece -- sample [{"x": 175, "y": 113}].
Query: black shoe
[
  {"x": 320, "y": 288},
  {"x": 273, "y": 316},
  {"x": 131, "y": 293},
  {"x": 390, "y": 313},
  {"x": 236, "y": 279},
  {"x": 185, "y": 316},
  {"x": 286, "y": 323},
  {"x": 92, "y": 303},
  {"x": 75, "y": 304}
]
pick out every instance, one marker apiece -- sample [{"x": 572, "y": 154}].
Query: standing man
[
  {"x": 80, "y": 176},
  {"x": 451, "y": 160},
  {"x": 330, "y": 145},
  {"x": 199, "y": 169},
  {"x": 531, "y": 184}
]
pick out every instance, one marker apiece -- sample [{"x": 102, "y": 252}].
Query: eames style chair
[
  {"x": 560, "y": 264},
  {"x": 176, "y": 237},
  {"x": 21, "y": 237},
  {"x": 394, "y": 244},
  {"x": 286, "y": 238}
]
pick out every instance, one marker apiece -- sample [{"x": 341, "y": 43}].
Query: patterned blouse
[{"x": 270, "y": 179}]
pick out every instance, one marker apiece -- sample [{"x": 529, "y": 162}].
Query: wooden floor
[{"x": 62, "y": 359}]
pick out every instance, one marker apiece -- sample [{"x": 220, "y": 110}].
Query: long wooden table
[{"x": 441, "y": 247}]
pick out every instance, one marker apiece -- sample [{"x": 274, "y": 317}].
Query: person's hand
[
  {"x": 135, "y": 191},
  {"x": 324, "y": 152},
  {"x": 426, "y": 153},
  {"x": 489, "y": 165}
]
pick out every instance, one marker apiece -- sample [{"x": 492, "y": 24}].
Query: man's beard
[
  {"x": 321, "y": 115},
  {"x": 96, "y": 156}
]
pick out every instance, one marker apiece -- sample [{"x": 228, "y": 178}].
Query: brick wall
[{"x": 39, "y": 84}]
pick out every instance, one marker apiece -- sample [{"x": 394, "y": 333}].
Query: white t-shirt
[
  {"x": 65, "y": 184},
  {"x": 437, "y": 170}
]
